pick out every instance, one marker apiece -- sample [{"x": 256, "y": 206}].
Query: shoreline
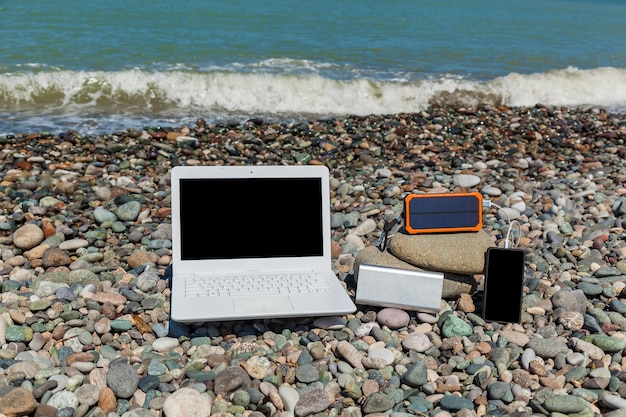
[{"x": 100, "y": 346}]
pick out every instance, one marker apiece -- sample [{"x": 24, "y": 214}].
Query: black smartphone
[{"x": 504, "y": 279}]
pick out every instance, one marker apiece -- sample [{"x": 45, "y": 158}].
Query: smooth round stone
[
  {"x": 585, "y": 394},
  {"x": 121, "y": 325},
  {"x": 547, "y": 348},
  {"x": 427, "y": 318},
  {"x": 572, "y": 320},
  {"x": 160, "y": 244},
  {"x": 128, "y": 211},
  {"x": 455, "y": 403},
  {"x": 365, "y": 228},
  {"x": 28, "y": 236},
  {"x": 331, "y": 323},
  {"x": 307, "y": 373},
  {"x": 616, "y": 413},
  {"x": 14, "y": 333},
  {"x": 165, "y": 344},
  {"x": 156, "y": 368},
  {"x": 383, "y": 354},
  {"x": 102, "y": 215},
  {"x": 566, "y": 404},
  {"x": 364, "y": 329},
  {"x": 618, "y": 306},
  {"x": 600, "y": 372},
  {"x": 491, "y": 191},
  {"x": 416, "y": 341},
  {"x": 73, "y": 244},
  {"x": 39, "y": 305},
  {"x": 102, "y": 326},
  {"x": 37, "y": 342},
  {"x": 614, "y": 401},
  {"x": 416, "y": 375},
  {"x": 605, "y": 342},
  {"x": 575, "y": 358},
  {"x": 147, "y": 280},
  {"x": 377, "y": 402},
  {"x": 576, "y": 373},
  {"x": 393, "y": 318},
  {"x": 344, "y": 379},
  {"x": 289, "y": 396},
  {"x": 186, "y": 402},
  {"x": 123, "y": 379},
  {"x": 84, "y": 367},
  {"x": 241, "y": 397},
  {"x": 160, "y": 330},
  {"x": 65, "y": 293},
  {"x": 527, "y": 357},
  {"x": 590, "y": 289},
  {"x": 87, "y": 394},
  {"x": 500, "y": 391},
  {"x": 118, "y": 227},
  {"x": 508, "y": 213},
  {"x": 63, "y": 399},
  {"x": 466, "y": 180}
]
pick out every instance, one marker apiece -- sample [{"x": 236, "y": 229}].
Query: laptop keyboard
[{"x": 229, "y": 285}]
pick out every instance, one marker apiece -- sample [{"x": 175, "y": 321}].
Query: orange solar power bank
[{"x": 441, "y": 213}]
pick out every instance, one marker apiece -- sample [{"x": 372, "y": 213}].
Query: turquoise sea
[{"x": 97, "y": 67}]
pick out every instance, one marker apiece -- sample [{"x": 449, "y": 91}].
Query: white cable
[{"x": 507, "y": 240}]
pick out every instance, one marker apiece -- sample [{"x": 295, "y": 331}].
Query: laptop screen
[{"x": 231, "y": 218}]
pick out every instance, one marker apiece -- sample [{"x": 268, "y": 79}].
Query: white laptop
[{"x": 244, "y": 226}]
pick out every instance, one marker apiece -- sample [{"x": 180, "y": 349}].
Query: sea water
[{"x": 97, "y": 67}]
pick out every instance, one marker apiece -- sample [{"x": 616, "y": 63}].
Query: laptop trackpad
[{"x": 270, "y": 304}]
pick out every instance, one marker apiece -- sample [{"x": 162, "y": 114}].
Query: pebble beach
[{"x": 85, "y": 250}]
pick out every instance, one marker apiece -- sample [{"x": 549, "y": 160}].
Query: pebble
[
  {"x": 547, "y": 348},
  {"x": 416, "y": 341},
  {"x": 566, "y": 404},
  {"x": 84, "y": 295},
  {"x": 314, "y": 401},
  {"x": 393, "y": 318},
  {"x": 454, "y": 326},
  {"x": 614, "y": 401},
  {"x": 123, "y": 379},
  {"x": 187, "y": 402}
]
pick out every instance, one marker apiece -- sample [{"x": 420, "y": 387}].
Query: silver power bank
[{"x": 401, "y": 288}]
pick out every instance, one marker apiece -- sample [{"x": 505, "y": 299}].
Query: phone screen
[{"x": 504, "y": 275}]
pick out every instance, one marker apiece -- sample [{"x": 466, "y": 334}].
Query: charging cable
[{"x": 507, "y": 238}]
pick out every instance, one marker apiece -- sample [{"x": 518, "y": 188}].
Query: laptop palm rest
[{"x": 269, "y": 304}]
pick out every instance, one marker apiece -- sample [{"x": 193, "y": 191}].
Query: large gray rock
[
  {"x": 453, "y": 284},
  {"x": 459, "y": 253}
]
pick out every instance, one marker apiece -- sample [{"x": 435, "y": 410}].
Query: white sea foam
[{"x": 180, "y": 93}]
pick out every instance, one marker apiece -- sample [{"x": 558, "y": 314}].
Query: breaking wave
[{"x": 57, "y": 96}]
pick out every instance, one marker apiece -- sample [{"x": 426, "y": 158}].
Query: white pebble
[
  {"x": 332, "y": 323},
  {"x": 427, "y": 318},
  {"x": 466, "y": 180},
  {"x": 381, "y": 353},
  {"x": 165, "y": 344},
  {"x": 368, "y": 226},
  {"x": 491, "y": 191},
  {"x": 416, "y": 341},
  {"x": 365, "y": 329},
  {"x": 614, "y": 401},
  {"x": 289, "y": 396},
  {"x": 508, "y": 213}
]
